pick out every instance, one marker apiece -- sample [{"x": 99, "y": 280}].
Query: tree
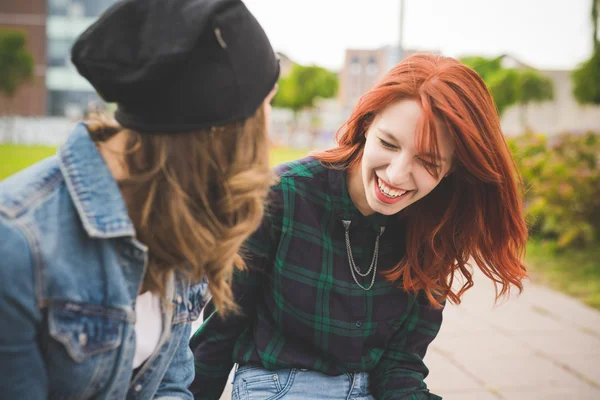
[
  {"x": 303, "y": 85},
  {"x": 300, "y": 89},
  {"x": 595, "y": 23},
  {"x": 485, "y": 67},
  {"x": 586, "y": 77},
  {"x": 510, "y": 86},
  {"x": 16, "y": 62},
  {"x": 533, "y": 87},
  {"x": 504, "y": 87},
  {"x": 586, "y": 80},
  {"x": 501, "y": 82},
  {"x": 16, "y": 68}
]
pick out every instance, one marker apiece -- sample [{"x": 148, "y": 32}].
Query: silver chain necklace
[{"x": 353, "y": 267}]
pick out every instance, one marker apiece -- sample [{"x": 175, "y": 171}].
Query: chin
[{"x": 383, "y": 209}]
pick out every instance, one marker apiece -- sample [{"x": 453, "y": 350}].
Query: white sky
[{"x": 547, "y": 34}]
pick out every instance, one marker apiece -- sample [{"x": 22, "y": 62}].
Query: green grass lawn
[
  {"x": 14, "y": 158},
  {"x": 574, "y": 272},
  {"x": 280, "y": 155}
]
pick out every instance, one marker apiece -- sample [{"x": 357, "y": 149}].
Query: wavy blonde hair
[{"x": 194, "y": 198}]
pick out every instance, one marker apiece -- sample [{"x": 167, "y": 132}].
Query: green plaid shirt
[{"x": 301, "y": 305}]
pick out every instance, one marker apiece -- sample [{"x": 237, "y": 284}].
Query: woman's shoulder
[
  {"x": 17, "y": 271},
  {"x": 305, "y": 169}
]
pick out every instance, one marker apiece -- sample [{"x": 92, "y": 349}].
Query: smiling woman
[
  {"x": 430, "y": 127},
  {"x": 394, "y": 171},
  {"x": 355, "y": 258}
]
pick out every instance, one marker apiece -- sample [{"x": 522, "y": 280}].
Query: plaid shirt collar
[{"x": 344, "y": 207}]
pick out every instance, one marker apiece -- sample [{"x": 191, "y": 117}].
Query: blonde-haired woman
[{"x": 108, "y": 249}]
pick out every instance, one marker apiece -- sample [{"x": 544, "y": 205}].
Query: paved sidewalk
[{"x": 540, "y": 345}]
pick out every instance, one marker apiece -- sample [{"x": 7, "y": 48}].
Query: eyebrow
[{"x": 389, "y": 136}]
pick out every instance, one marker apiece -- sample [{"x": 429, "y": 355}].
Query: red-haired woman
[{"x": 356, "y": 257}]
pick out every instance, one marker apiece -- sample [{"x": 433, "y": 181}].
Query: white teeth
[{"x": 389, "y": 192}]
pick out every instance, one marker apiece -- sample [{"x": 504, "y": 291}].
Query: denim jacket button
[
  {"x": 83, "y": 339},
  {"x": 179, "y": 299},
  {"x": 138, "y": 388}
]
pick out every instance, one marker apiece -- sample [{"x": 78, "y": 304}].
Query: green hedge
[{"x": 562, "y": 187}]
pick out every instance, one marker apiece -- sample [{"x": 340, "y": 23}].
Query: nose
[{"x": 399, "y": 170}]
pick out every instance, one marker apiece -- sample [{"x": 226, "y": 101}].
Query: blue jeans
[{"x": 255, "y": 383}]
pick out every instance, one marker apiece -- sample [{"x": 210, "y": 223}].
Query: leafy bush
[{"x": 562, "y": 186}]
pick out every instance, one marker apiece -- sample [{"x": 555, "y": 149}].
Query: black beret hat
[{"x": 178, "y": 65}]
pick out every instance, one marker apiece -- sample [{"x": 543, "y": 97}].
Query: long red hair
[{"x": 476, "y": 213}]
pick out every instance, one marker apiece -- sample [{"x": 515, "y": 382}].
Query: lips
[{"x": 388, "y": 195}]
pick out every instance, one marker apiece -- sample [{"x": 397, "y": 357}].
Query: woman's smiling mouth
[{"x": 388, "y": 194}]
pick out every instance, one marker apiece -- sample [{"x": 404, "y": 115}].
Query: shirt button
[
  {"x": 82, "y": 339},
  {"x": 359, "y": 323},
  {"x": 138, "y": 388}
]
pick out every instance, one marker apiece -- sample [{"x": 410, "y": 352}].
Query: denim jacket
[{"x": 70, "y": 272}]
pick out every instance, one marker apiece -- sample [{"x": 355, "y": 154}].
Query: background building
[
  {"x": 51, "y": 27},
  {"x": 68, "y": 93},
  {"x": 28, "y": 16},
  {"x": 362, "y": 69}
]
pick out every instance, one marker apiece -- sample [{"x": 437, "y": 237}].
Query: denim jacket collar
[{"x": 92, "y": 187}]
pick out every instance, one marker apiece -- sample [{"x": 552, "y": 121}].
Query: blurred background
[{"x": 539, "y": 58}]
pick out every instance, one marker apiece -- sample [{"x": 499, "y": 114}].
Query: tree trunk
[
  {"x": 523, "y": 118},
  {"x": 315, "y": 125},
  {"x": 595, "y": 21},
  {"x": 7, "y": 135}
]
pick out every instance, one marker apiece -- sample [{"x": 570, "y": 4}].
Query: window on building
[
  {"x": 70, "y": 103},
  {"x": 93, "y": 8},
  {"x": 75, "y": 10},
  {"x": 58, "y": 7},
  {"x": 372, "y": 67},
  {"x": 59, "y": 50},
  {"x": 355, "y": 66}
]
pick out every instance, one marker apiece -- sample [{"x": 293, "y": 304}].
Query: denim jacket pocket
[
  {"x": 85, "y": 329},
  {"x": 253, "y": 382}
]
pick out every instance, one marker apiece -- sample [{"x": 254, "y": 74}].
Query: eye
[
  {"x": 387, "y": 145},
  {"x": 430, "y": 164}
]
